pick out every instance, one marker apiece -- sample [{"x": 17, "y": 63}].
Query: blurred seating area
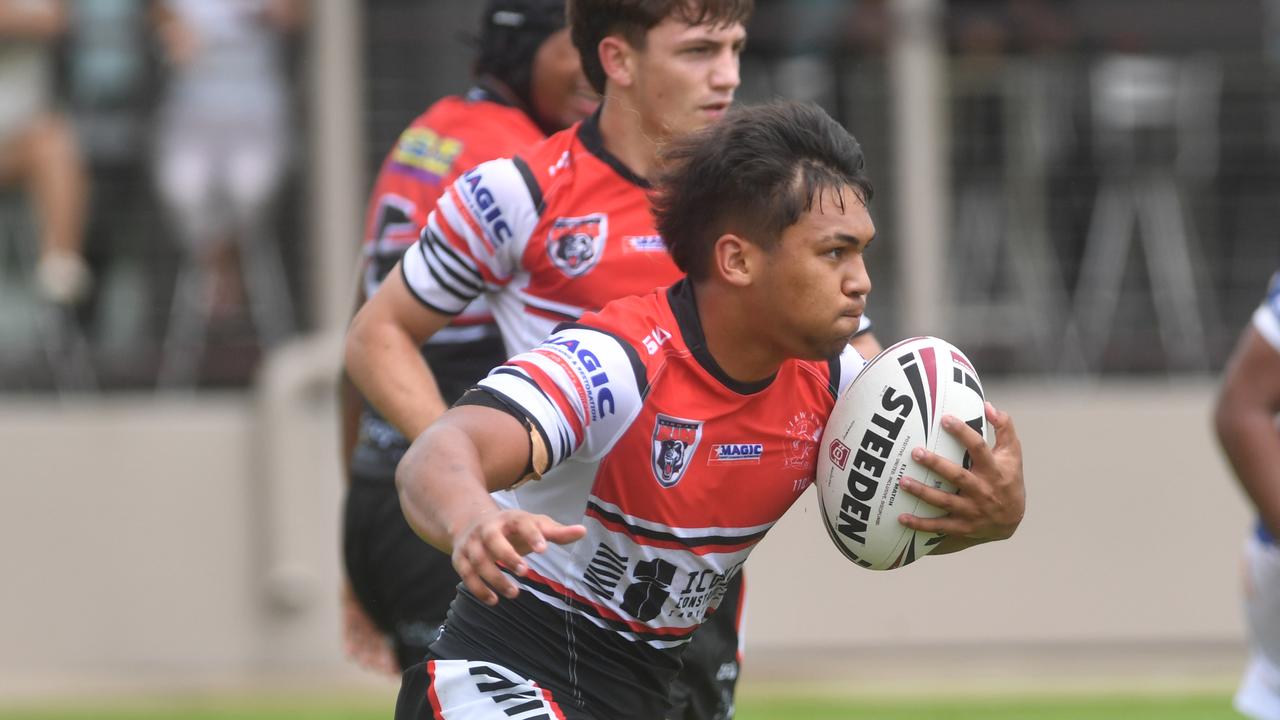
[
  {"x": 1113, "y": 168},
  {"x": 156, "y": 243},
  {"x": 1114, "y": 174}
]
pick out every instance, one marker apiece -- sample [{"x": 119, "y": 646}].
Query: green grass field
[{"x": 774, "y": 707}]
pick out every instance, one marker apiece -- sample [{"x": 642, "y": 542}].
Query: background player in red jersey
[
  {"x": 528, "y": 83},
  {"x": 609, "y": 535}
]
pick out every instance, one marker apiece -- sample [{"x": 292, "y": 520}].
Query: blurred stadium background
[{"x": 1080, "y": 193}]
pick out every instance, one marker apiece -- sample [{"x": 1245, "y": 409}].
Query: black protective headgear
[{"x": 511, "y": 31}]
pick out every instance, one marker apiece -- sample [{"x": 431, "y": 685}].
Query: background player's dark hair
[
  {"x": 511, "y": 31},
  {"x": 751, "y": 174},
  {"x": 594, "y": 20}
]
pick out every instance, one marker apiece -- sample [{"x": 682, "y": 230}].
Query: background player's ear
[
  {"x": 617, "y": 57},
  {"x": 731, "y": 259}
]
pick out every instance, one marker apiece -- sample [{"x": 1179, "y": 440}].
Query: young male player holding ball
[{"x": 608, "y": 536}]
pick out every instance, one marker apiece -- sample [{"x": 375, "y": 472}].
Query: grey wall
[{"x": 147, "y": 539}]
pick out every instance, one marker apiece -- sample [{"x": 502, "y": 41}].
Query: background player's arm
[
  {"x": 33, "y": 20},
  {"x": 1245, "y": 421},
  {"x": 350, "y": 406},
  {"x": 444, "y": 481},
  {"x": 361, "y": 638},
  {"x": 384, "y": 359}
]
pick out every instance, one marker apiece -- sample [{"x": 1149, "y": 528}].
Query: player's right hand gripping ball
[{"x": 895, "y": 405}]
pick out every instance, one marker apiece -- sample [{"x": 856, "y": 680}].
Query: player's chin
[{"x": 826, "y": 348}]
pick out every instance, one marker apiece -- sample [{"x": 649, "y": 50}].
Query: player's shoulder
[
  {"x": 644, "y": 323},
  {"x": 480, "y": 118},
  {"x": 1266, "y": 319},
  {"x": 835, "y": 373},
  {"x": 1272, "y": 300},
  {"x": 553, "y": 157}
]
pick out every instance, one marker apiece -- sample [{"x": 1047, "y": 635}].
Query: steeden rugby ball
[{"x": 895, "y": 405}]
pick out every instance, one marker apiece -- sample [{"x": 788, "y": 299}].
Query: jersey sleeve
[
  {"x": 473, "y": 239},
  {"x": 394, "y": 221},
  {"x": 847, "y": 365},
  {"x": 1266, "y": 319},
  {"x": 580, "y": 390},
  {"x": 406, "y": 187}
]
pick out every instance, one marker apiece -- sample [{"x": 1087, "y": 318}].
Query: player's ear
[
  {"x": 617, "y": 57},
  {"x": 732, "y": 259}
]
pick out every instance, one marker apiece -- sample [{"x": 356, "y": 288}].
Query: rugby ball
[{"x": 893, "y": 406}]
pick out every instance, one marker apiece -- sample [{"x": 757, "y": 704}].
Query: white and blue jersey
[{"x": 1266, "y": 320}]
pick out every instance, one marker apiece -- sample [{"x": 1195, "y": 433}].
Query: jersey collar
[
  {"x": 685, "y": 308},
  {"x": 482, "y": 91},
  {"x": 593, "y": 141}
]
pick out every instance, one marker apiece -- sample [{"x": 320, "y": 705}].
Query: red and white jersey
[
  {"x": 454, "y": 134},
  {"x": 545, "y": 236},
  {"x": 676, "y": 470},
  {"x": 1266, "y": 319}
]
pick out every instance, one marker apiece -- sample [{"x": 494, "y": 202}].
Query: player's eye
[{"x": 836, "y": 252}]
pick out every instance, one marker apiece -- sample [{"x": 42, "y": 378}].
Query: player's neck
[
  {"x": 734, "y": 336},
  {"x": 625, "y": 136}
]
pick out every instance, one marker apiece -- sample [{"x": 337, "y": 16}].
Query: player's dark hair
[
  {"x": 511, "y": 31},
  {"x": 593, "y": 20},
  {"x": 751, "y": 174}
]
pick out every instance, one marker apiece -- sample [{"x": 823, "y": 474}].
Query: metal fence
[{"x": 1113, "y": 179}]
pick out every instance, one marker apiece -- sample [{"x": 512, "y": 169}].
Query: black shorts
[
  {"x": 703, "y": 689},
  {"x": 404, "y": 584}
]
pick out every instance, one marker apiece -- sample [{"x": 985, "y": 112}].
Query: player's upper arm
[
  {"x": 395, "y": 307},
  {"x": 578, "y": 391},
  {"x": 502, "y": 441},
  {"x": 1252, "y": 381},
  {"x": 474, "y": 239}
]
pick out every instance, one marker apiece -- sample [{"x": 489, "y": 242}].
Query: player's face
[
  {"x": 560, "y": 93},
  {"x": 817, "y": 284},
  {"x": 686, "y": 75}
]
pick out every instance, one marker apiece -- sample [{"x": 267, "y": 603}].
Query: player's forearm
[
  {"x": 441, "y": 485},
  {"x": 350, "y": 405},
  {"x": 1251, "y": 442},
  {"x": 386, "y": 365}
]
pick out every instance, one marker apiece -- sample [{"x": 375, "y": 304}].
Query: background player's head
[
  {"x": 675, "y": 62},
  {"x": 525, "y": 45},
  {"x": 772, "y": 201}
]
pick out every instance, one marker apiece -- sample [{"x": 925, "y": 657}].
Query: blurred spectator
[
  {"x": 38, "y": 146},
  {"x": 222, "y": 147}
]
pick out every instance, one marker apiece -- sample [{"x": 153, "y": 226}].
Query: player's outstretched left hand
[
  {"x": 500, "y": 539},
  {"x": 991, "y": 497}
]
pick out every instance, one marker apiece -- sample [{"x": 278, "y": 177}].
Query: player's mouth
[{"x": 715, "y": 110}]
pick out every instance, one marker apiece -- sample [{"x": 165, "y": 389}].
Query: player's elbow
[{"x": 1233, "y": 411}]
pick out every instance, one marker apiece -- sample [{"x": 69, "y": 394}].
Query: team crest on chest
[
  {"x": 575, "y": 244},
  {"x": 674, "y": 442},
  {"x": 803, "y": 432}
]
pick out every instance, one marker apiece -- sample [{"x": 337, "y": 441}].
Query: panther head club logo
[
  {"x": 575, "y": 244},
  {"x": 674, "y": 442}
]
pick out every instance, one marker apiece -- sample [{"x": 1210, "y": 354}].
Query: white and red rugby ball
[{"x": 895, "y": 405}]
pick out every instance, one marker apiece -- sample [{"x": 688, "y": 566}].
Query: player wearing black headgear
[
  {"x": 521, "y": 44},
  {"x": 529, "y": 82}
]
